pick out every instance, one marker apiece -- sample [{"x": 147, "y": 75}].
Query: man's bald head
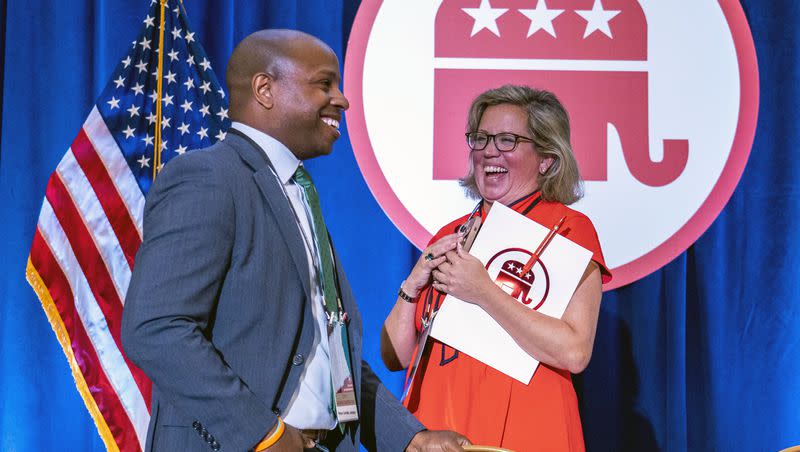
[
  {"x": 285, "y": 83},
  {"x": 268, "y": 51}
]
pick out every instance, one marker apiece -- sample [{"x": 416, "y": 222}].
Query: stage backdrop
[{"x": 700, "y": 355}]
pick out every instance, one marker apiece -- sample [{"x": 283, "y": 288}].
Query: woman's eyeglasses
[{"x": 504, "y": 142}]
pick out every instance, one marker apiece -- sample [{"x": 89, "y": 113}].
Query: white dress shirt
[{"x": 310, "y": 406}]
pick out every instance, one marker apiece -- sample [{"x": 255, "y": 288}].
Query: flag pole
[{"x": 159, "y": 82}]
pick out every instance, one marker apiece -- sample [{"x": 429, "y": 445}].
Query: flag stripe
[
  {"x": 103, "y": 397},
  {"x": 91, "y": 212},
  {"x": 114, "y": 207},
  {"x": 85, "y": 250},
  {"x": 101, "y": 285},
  {"x": 118, "y": 169},
  {"x": 96, "y": 322}
]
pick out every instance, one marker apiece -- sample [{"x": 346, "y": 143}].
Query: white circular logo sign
[{"x": 662, "y": 97}]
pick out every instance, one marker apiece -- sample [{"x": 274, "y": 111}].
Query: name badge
[{"x": 344, "y": 394}]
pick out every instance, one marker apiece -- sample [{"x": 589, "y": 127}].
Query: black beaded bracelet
[{"x": 406, "y": 297}]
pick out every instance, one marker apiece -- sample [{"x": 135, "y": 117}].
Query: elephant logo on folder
[{"x": 506, "y": 270}]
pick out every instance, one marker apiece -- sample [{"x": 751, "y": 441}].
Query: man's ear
[{"x": 262, "y": 85}]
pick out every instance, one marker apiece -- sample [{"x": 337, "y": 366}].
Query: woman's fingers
[
  {"x": 432, "y": 257},
  {"x": 442, "y": 245},
  {"x": 439, "y": 280},
  {"x": 460, "y": 249},
  {"x": 451, "y": 256},
  {"x": 444, "y": 266},
  {"x": 420, "y": 275}
]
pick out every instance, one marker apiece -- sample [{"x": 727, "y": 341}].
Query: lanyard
[{"x": 343, "y": 317}]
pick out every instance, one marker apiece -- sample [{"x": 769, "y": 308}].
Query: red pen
[{"x": 542, "y": 246}]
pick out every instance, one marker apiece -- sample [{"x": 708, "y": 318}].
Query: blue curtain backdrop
[{"x": 704, "y": 354}]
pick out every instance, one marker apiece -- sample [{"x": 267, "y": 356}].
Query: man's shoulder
[
  {"x": 219, "y": 152},
  {"x": 219, "y": 157},
  {"x": 210, "y": 168}
]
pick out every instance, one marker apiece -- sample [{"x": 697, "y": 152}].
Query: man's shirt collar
[{"x": 283, "y": 160}]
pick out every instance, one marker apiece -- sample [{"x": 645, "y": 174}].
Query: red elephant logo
[{"x": 530, "y": 288}]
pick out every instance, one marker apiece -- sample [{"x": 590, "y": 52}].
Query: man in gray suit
[{"x": 231, "y": 308}]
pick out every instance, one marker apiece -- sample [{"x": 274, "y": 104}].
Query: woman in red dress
[{"x": 520, "y": 156}]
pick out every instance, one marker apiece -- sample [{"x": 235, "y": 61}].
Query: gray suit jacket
[{"x": 218, "y": 314}]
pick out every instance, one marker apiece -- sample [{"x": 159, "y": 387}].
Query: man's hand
[
  {"x": 439, "y": 440},
  {"x": 292, "y": 440}
]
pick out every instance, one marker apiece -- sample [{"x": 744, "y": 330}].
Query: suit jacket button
[
  {"x": 196, "y": 425},
  {"x": 276, "y": 411},
  {"x": 298, "y": 359}
]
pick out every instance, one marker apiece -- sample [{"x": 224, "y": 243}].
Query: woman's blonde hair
[{"x": 548, "y": 125}]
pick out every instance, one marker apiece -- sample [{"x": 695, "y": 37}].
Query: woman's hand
[
  {"x": 463, "y": 276},
  {"x": 421, "y": 273},
  {"x": 399, "y": 335}
]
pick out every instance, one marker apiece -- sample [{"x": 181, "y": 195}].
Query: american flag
[{"x": 90, "y": 225}]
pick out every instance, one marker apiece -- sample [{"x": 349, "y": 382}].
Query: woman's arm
[
  {"x": 399, "y": 334},
  {"x": 565, "y": 343}
]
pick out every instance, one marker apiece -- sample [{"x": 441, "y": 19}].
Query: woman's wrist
[
  {"x": 407, "y": 293},
  {"x": 488, "y": 293},
  {"x": 416, "y": 280}
]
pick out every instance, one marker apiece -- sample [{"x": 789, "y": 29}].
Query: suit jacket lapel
[{"x": 269, "y": 185}]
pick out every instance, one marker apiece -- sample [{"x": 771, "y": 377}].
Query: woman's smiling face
[{"x": 505, "y": 176}]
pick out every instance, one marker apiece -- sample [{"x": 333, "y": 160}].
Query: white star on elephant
[
  {"x": 485, "y": 17},
  {"x": 597, "y": 19}
]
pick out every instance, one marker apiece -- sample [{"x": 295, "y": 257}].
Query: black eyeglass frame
[{"x": 493, "y": 137}]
